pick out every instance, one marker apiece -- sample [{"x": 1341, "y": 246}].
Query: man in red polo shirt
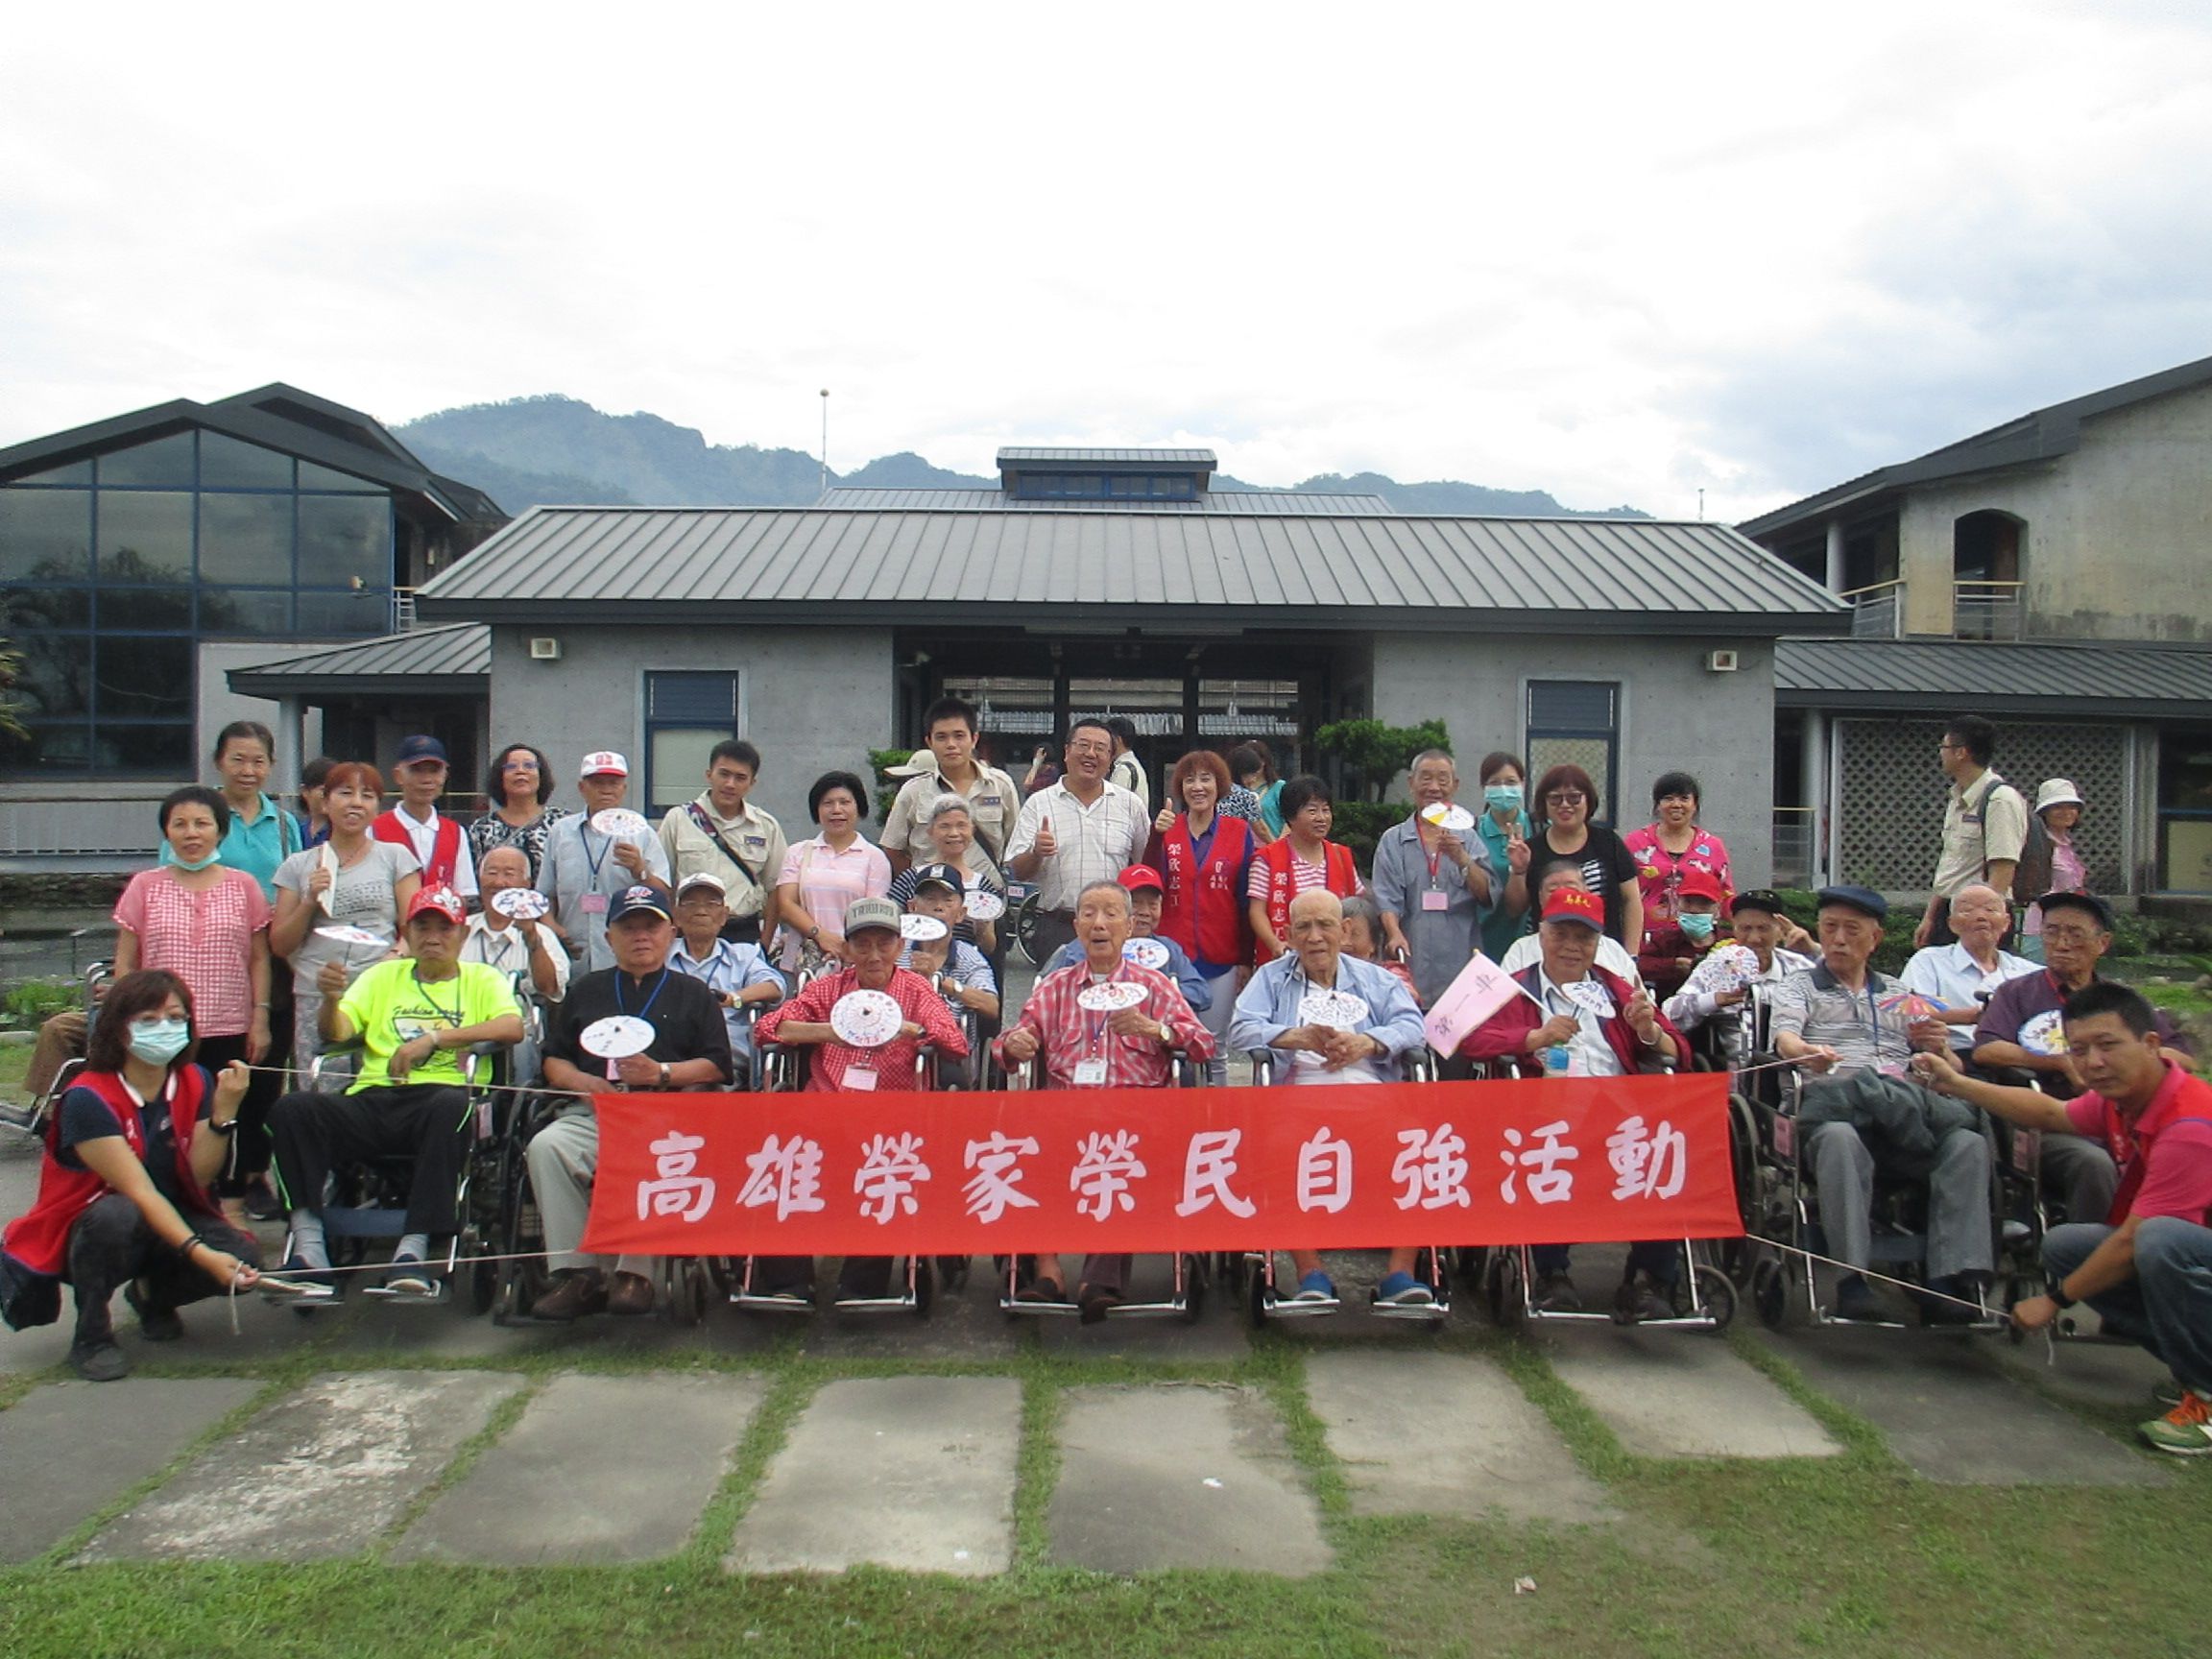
[{"x": 2147, "y": 1268}]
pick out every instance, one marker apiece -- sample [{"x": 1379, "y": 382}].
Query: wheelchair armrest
[
  {"x": 1419, "y": 1065},
  {"x": 1188, "y": 1073},
  {"x": 1262, "y": 1065},
  {"x": 352, "y": 1046}
]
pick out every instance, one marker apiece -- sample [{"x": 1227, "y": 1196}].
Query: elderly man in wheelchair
[
  {"x": 1853, "y": 1030},
  {"x": 1103, "y": 1022},
  {"x": 1317, "y": 1015},
  {"x": 415, "y": 1019}
]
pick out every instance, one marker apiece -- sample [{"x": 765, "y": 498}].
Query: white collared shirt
[{"x": 1591, "y": 1054}]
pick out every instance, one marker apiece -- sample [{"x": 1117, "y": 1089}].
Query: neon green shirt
[{"x": 388, "y": 1006}]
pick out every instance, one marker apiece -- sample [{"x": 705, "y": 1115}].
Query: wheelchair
[
  {"x": 1702, "y": 1297},
  {"x": 1252, "y": 1274},
  {"x": 1190, "y": 1273},
  {"x": 32, "y": 1118},
  {"x": 1782, "y": 1219},
  {"x": 366, "y": 1203},
  {"x": 778, "y": 1068}
]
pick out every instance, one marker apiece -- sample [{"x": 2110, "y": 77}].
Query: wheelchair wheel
[
  {"x": 1507, "y": 1295},
  {"x": 684, "y": 1290},
  {"x": 924, "y": 1287},
  {"x": 1770, "y": 1293},
  {"x": 951, "y": 1273},
  {"x": 1716, "y": 1290},
  {"x": 1467, "y": 1267},
  {"x": 1256, "y": 1297},
  {"x": 1026, "y": 919},
  {"x": 1196, "y": 1274}
]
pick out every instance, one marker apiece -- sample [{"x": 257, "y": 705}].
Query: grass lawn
[{"x": 1846, "y": 1556}]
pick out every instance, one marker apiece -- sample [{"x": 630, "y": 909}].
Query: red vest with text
[
  {"x": 1341, "y": 875},
  {"x": 1203, "y": 908},
  {"x": 39, "y": 1237},
  {"x": 445, "y": 864}
]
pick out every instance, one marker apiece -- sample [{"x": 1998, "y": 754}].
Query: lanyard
[
  {"x": 593, "y": 864},
  {"x": 452, "y": 1013},
  {"x": 657, "y": 984}
]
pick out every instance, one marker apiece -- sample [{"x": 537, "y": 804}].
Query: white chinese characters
[
  {"x": 784, "y": 1173},
  {"x": 1547, "y": 1184},
  {"x": 890, "y": 1167},
  {"x": 1105, "y": 1164},
  {"x": 1648, "y": 1163},
  {"x": 676, "y": 1192}
]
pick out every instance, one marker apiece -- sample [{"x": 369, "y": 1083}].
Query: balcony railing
[
  {"x": 1794, "y": 828},
  {"x": 1877, "y": 610},
  {"x": 1985, "y": 610}
]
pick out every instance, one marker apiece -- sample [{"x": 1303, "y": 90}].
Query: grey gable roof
[
  {"x": 433, "y": 661},
  {"x": 1953, "y": 676},
  {"x": 2043, "y": 435},
  {"x": 825, "y": 565},
  {"x": 862, "y": 498}
]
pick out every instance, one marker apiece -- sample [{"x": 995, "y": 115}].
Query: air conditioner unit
[
  {"x": 544, "y": 648},
  {"x": 1716, "y": 662}
]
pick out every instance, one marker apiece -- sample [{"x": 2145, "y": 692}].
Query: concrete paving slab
[
  {"x": 324, "y": 1472},
  {"x": 1681, "y": 1394},
  {"x": 117, "y": 1434},
  {"x": 1947, "y": 1408},
  {"x": 1446, "y": 1434},
  {"x": 1181, "y": 1475},
  {"x": 915, "y": 1472},
  {"x": 2101, "y": 1376},
  {"x": 600, "y": 1469}
]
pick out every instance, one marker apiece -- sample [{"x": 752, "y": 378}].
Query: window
[
  {"x": 1576, "y": 723},
  {"x": 685, "y": 716}
]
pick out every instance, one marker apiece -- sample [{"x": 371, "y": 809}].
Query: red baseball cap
[
  {"x": 1575, "y": 904},
  {"x": 441, "y": 901},
  {"x": 1700, "y": 884},
  {"x": 1138, "y": 876}
]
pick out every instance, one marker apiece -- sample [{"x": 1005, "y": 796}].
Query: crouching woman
[{"x": 123, "y": 1203}]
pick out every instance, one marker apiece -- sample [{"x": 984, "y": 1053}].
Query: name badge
[
  {"x": 1090, "y": 1073},
  {"x": 755, "y": 843},
  {"x": 1433, "y": 900},
  {"x": 594, "y": 904},
  {"x": 990, "y": 801},
  {"x": 860, "y": 1078}
]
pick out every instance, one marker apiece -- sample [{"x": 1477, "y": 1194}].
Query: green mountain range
[{"x": 554, "y": 451}]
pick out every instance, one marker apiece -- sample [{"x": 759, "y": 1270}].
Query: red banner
[{"x": 1561, "y": 1161}]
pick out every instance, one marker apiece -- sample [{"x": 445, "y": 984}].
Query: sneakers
[
  {"x": 1856, "y": 1301},
  {"x": 99, "y": 1360},
  {"x": 1556, "y": 1293},
  {"x": 296, "y": 1281},
  {"x": 1315, "y": 1286},
  {"x": 575, "y": 1292},
  {"x": 1405, "y": 1291},
  {"x": 262, "y": 1204},
  {"x": 631, "y": 1295},
  {"x": 2186, "y": 1431},
  {"x": 408, "y": 1277},
  {"x": 155, "y": 1324},
  {"x": 2167, "y": 1392}
]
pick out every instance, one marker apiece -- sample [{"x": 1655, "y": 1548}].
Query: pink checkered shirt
[
  {"x": 1071, "y": 1033},
  {"x": 206, "y": 939},
  {"x": 894, "y": 1063}
]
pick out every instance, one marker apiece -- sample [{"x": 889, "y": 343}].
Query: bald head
[
  {"x": 509, "y": 866},
  {"x": 1316, "y": 902},
  {"x": 1317, "y": 933},
  {"x": 1978, "y": 915}
]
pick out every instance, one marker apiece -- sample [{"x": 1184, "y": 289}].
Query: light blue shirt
[
  {"x": 1951, "y": 976},
  {"x": 726, "y": 969},
  {"x": 1269, "y": 1006}
]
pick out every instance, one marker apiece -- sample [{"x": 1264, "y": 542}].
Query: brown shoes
[
  {"x": 632, "y": 1295},
  {"x": 576, "y": 1292}
]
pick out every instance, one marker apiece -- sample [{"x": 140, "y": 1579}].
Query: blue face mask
[
  {"x": 1695, "y": 926},
  {"x": 214, "y": 858},
  {"x": 158, "y": 1042},
  {"x": 1501, "y": 797}
]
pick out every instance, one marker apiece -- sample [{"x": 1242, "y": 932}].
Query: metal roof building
[{"x": 852, "y": 498}]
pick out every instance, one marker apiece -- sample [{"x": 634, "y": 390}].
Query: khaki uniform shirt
[
  {"x": 992, "y": 802},
  {"x": 753, "y": 834},
  {"x": 1986, "y": 822}
]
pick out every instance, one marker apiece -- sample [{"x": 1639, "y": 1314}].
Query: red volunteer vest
[
  {"x": 1203, "y": 906},
  {"x": 444, "y": 847},
  {"x": 1341, "y": 875},
  {"x": 39, "y": 1237}
]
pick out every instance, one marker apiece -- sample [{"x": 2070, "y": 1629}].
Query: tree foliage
[{"x": 1374, "y": 753}]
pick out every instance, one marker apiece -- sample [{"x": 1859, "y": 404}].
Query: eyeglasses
[
  {"x": 2068, "y": 935},
  {"x": 1565, "y": 798}
]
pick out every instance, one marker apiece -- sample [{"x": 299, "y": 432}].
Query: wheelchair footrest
[
  {"x": 1291, "y": 1308},
  {"x": 873, "y": 1305},
  {"x": 1424, "y": 1312},
  {"x": 766, "y": 1303}
]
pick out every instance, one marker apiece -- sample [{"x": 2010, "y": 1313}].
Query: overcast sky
[{"x": 1617, "y": 252}]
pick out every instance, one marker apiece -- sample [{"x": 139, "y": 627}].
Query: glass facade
[{"x": 112, "y": 570}]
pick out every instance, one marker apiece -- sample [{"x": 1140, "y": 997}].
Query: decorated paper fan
[
  {"x": 1590, "y": 995},
  {"x": 865, "y": 1019},
  {"x": 1447, "y": 816},
  {"x": 617, "y": 822},
  {"x": 1146, "y": 953},
  {"x": 1338, "y": 1010},
  {"x": 922, "y": 929},
  {"x": 521, "y": 903},
  {"x": 1110, "y": 997},
  {"x": 617, "y": 1037},
  {"x": 984, "y": 905},
  {"x": 1732, "y": 967},
  {"x": 344, "y": 933},
  {"x": 1911, "y": 1004},
  {"x": 2045, "y": 1034}
]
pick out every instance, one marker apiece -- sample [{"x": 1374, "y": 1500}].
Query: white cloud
[{"x": 1616, "y": 251}]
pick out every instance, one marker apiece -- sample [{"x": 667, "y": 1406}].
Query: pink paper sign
[{"x": 1479, "y": 991}]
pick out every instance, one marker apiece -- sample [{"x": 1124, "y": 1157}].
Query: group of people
[{"x": 1225, "y": 911}]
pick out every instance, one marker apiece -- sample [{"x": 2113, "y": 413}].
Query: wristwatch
[
  {"x": 1166, "y": 1035},
  {"x": 226, "y": 1126},
  {"x": 664, "y": 1074}
]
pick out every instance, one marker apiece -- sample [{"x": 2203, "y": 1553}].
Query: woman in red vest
[
  {"x": 1304, "y": 857},
  {"x": 1203, "y": 861},
  {"x": 123, "y": 1201}
]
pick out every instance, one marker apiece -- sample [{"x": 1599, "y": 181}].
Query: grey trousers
[
  {"x": 1215, "y": 1018},
  {"x": 2080, "y": 1174},
  {"x": 2167, "y": 1307},
  {"x": 1957, "y": 1199},
  {"x": 563, "y": 1157}
]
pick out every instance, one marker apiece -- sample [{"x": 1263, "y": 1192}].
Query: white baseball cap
[{"x": 602, "y": 761}]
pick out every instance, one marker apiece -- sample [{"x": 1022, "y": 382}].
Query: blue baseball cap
[
  {"x": 638, "y": 900},
  {"x": 1864, "y": 900},
  {"x": 420, "y": 748}
]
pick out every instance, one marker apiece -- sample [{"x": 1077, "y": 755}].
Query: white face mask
[{"x": 158, "y": 1042}]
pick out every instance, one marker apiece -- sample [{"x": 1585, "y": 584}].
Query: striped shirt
[{"x": 1094, "y": 843}]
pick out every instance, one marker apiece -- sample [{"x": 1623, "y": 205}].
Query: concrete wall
[
  {"x": 2119, "y": 534},
  {"x": 218, "y": 706},
  {"x": 813, "y": 699},
  {"x": 1672, "y": 713}
]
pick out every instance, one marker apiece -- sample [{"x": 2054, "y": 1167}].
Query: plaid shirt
[
  {"x": 1071, "y": 1033},
  {"x": 1093, "y": 843},
  {"x": 894, "y": 1063}
]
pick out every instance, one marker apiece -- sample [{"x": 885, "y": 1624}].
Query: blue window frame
[
  {"x": 1576, "y": 723},
  {"x": 687, "y": 714}
]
